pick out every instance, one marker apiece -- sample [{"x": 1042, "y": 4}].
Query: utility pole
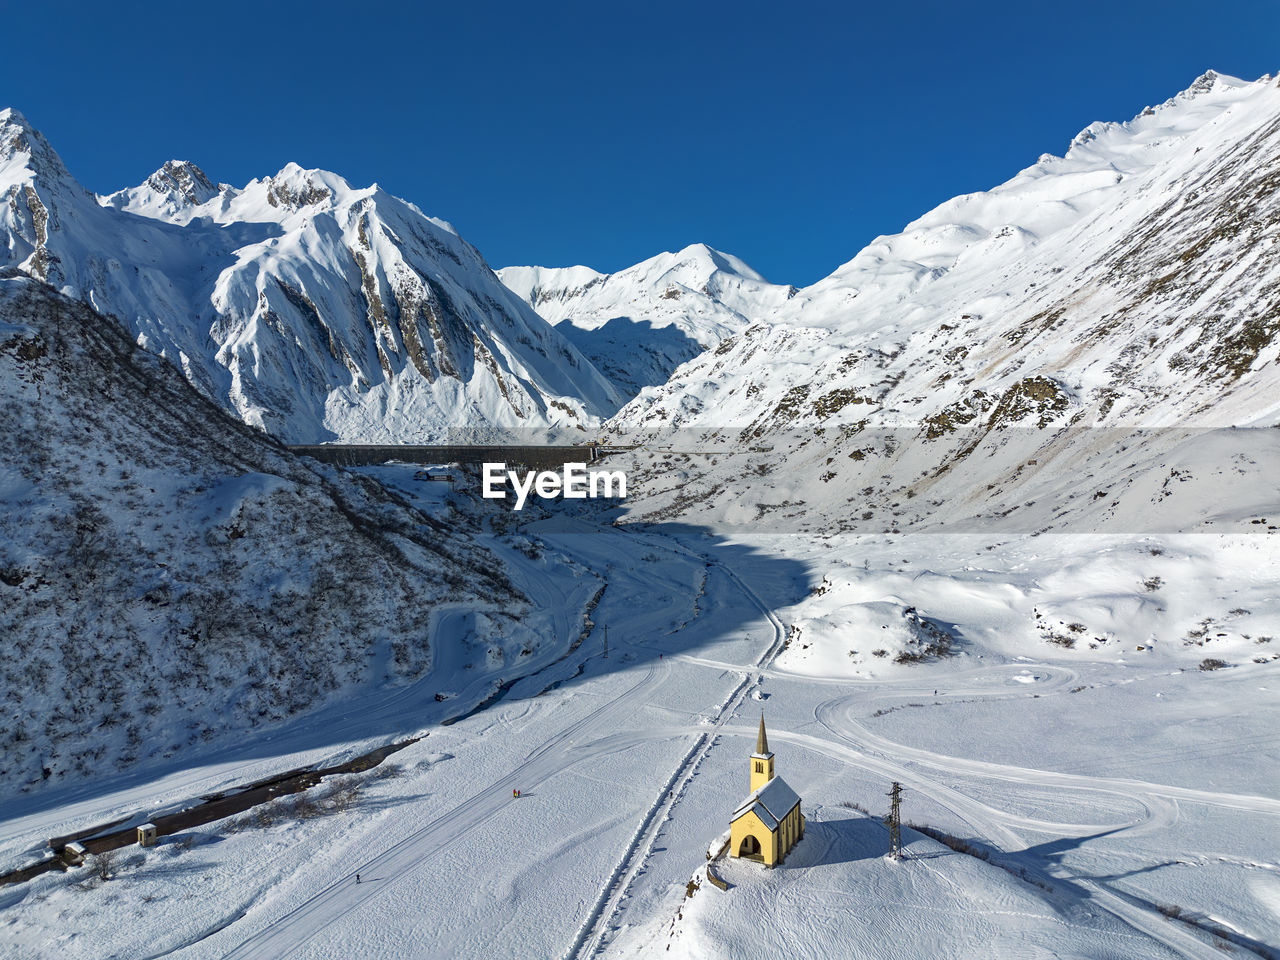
[{"x": 894, "y": 822}]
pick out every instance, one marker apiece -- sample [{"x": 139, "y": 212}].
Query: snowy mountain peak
[
  {"x": 295, "y": 187},
  {"x": 14, "y": 129},
  {"x": 177, "y": 186},
  {"x": 694, "y": 266},
  {"x": 311, "y": 309},
  {"x": 22, "y": 146},
  {"x": 1208, "y": 81},
  {"x": 639, "y": 324},
  {"x": 1203, "y": 83},
  {"x": 13, "y": 124},
  {"x": 183, "y": 180},
  {"x": 1208, "y": 95},
  {"x": 725, "y": 262}
]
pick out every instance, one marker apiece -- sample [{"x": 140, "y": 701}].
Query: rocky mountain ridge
[{"x": 309, "y": 308}]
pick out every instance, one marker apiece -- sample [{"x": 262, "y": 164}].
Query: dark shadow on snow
[
  {"x": 633, "y": 354},
  {"x": 776, "y": 580},
  {"x": 846, "y": 840}
]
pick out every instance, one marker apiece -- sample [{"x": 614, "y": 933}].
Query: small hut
[{"x": 73, "y": 854}]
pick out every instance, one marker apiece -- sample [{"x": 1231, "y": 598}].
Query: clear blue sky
[{"x": 557, "y": 133}]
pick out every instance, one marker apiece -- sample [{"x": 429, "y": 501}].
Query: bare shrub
[
  {"x": 306, "y": 807},
  {"x": 344, "y": 793},
  {"x": 266, "y": 815},
  {"x": 387, "y": 771},
  {"x": 103, "y": 865}
]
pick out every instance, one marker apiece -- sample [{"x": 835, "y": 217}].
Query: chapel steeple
[{"x": 761, "y": 760}]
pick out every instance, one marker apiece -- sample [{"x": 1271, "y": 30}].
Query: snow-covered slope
[
  {"x": 312, "y": 309},
  {"x": 1134, "y": 282},
  {"x": 639, "y": 324},
  {"x": 169, "y": 575}
]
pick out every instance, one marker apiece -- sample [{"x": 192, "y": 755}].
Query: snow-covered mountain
[
  {"x": 171, "y": 193},
  {"x": 312, "y": 309},
  {"x": 169, "y": 575},
  {"x": 639, "y": 324},
  {"x": 1132, "y": 283}
]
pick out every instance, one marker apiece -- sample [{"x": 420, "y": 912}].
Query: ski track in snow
[
  {"x": 591, "y": 939},
  {"x": 286, "y": 933}
]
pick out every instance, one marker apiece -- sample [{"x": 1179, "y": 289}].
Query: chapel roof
[{"x": 771, "y": 803}]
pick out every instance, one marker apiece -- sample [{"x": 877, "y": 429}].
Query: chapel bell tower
[{"x": 761, "y": 760}]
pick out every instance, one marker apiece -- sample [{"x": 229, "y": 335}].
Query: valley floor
[{"x": 1101, "y": 786}]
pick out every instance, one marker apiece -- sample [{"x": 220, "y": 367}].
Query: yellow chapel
[{"x": 768, "y": 823}]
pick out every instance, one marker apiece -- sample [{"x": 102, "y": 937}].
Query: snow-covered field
[{"x": 1104, "y": 784}]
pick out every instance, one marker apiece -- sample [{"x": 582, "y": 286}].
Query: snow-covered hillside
[
  {"x": 639, "y": 324},
  {"x": 1133, "y": 283},
  {"x": 1138, "y": 275},
  {"x": 169, "y": 575},
  {"x": 312, "y": 309}
]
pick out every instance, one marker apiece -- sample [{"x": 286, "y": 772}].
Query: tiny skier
[{"x": 357, "y": 878}]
